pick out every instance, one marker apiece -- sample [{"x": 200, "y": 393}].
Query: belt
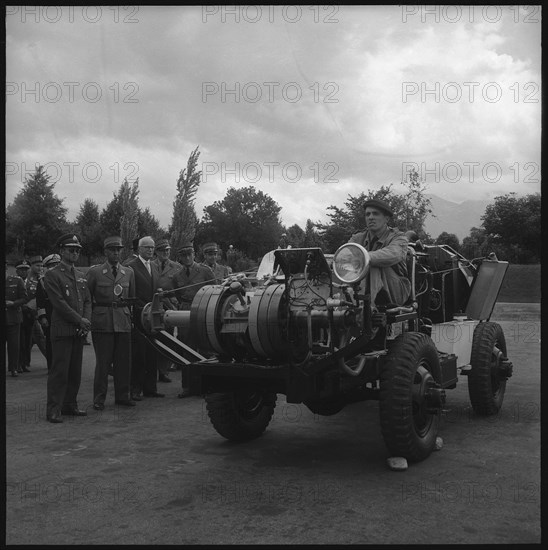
[{"x": 114, "y": 305}]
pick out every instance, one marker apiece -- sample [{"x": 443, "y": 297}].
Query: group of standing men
[{"x": 102, "y": 302}]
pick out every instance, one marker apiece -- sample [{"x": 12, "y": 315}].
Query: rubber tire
[
  {"x": 400, "y": 427},
  {"x": 237, "y": 418},
  {"x": 486, "y": 393}
]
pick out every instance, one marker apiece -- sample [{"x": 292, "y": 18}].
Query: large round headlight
[{"x": 351, "y": 263}]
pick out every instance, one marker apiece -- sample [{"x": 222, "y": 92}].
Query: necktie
[
  {"x": 114, "y": 271},
  {"x": 148, "y": 266},
  {"x": 164, "y": 264},
  {"x": 373, "y": 243},
  {"x": 187, "y": 271}
]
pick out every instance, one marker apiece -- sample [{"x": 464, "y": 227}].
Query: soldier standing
[
  {"x": 167, "y": 268},
  {"x": 189, "y": 279},
  {"x": 44, "y": 305},
  {"x": 36, "y": 333},
  {"x": 71, "y": 302},
  {"x": 16, "y": 296},
  {"x": 110, "y": 285},
  {"x": 25, "y": 328},
  {"x": 211, "y": 252}
]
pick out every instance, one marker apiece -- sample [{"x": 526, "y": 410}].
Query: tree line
[{"x": 250, "y": 221}]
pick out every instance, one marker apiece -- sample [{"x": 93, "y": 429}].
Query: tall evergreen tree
[
  {"x": 130, "y": 217},
  {"x": 88, "y": 226},
  {"x": 36, "y": 217}
]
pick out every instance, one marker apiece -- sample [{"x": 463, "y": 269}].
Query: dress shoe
[
  {"x": 164, "y": 378},
  {"x": 25, "y": 369},
  {"x": 20, "y": 370},
  {"x": 55, "y": 418},
  {"x": 125, "y": 402},
  {"x": 184, "y": 393},
  {"x": 13, "y": 373},
  {"x": 98, "y": 406},
  {"x": 136, "y": 397},
  {"x": 153, "y": 394},
  {"x": 73, "y": 412}
]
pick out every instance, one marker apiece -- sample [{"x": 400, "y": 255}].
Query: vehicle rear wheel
[
  {"x": 240, "y": 415},
  {"x": 487, "y": 379},
  {"x": 410, "y": 398}
]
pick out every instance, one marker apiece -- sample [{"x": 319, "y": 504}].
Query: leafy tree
[
  {"x": 448, "y": 238},
  {"x": 36, "y": 217},
  {"x": 129, "y": 220},
  {"x": 87, "y": 224},
  {"x": 513, "y": 223},
  {"x": 410, "y": 211},
  {"x": 295, "y": 235},
  {"x": 184, "y": 220},
  {"x": 148, "y": 224},
  {"x": 246, "y": 218},
  {"x": 477, "y": 244},
  {"x": 311, "y": 237}
]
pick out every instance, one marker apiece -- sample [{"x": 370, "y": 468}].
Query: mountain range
[{"x": 454, "y": 217}]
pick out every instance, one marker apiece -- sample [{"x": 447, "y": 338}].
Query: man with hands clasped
[{"x": 70, "y": 322}]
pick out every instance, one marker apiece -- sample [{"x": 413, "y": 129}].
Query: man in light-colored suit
[{"x": 110, "y": 285}]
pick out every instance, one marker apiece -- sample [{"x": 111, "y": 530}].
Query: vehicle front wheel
[
  {"x": 410, "y": 398},
  {"x": 487, "y": 378},
  {"x": 240, "y": 415}
]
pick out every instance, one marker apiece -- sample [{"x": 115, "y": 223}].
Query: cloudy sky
[{"x": 308, "y": 104}]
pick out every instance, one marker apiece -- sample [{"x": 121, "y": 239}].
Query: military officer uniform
[
  {"x": 189, "y": 280},
  {"x": 221, "y": 272},
  {"x": 110, "y": 285},
  {"x": 166, "y": 268},
  {"x": 16, "y": 296},
  {"x": 68, "y": 292},
  {"x": 44, "y": 305},
  {"x": 25, "y": 337},
  {"x": 193, "y": 278}
]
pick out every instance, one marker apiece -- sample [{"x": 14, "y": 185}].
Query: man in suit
[
  {"x": 189, "y": 279},
  {"x": 167, "y": 268},
  {"x": 211, "y": 253},
  {"x": 16, "y": 296},
  {"x": 144, "y": 370},
  {"x": 68, "y": 292},
  {"x": 111, "y": 285},
  {"x": 44, "y": 305}
]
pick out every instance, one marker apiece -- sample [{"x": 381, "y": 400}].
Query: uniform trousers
[
  {"x": 12, "y": 336},
  {"x": 65, "y": 373},
  {"x": 397, "y": 289},
  {"x": 25, "y": 341},
  {"x": 111, "y": 348}
]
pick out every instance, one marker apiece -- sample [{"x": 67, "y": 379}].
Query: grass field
[{"x": 521, "y": 284}]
